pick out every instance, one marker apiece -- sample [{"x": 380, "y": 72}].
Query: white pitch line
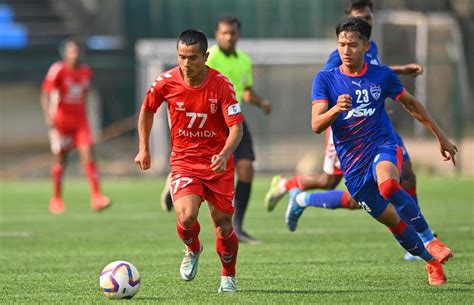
[{"x": 15, "y": 234}]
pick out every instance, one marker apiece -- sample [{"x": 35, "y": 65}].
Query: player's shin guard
[
  {"x": 406, "y": 206},
  {"x": 227, "y": 248},
  {"x": 410, "y": 241},
  {"x": 242, "y": 195},
  {"x": 334, "y": 199},
  {"x": 190, "y": 236},
  {"x": 57, "y": 175},
  {"x": 92, "y": 175}
]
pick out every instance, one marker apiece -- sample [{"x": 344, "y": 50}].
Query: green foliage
[{"x": 334, "y": 256}]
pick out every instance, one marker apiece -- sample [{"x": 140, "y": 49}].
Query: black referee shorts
[{"x": 245, "y": 148}]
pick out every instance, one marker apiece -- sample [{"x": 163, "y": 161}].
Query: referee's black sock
[{"x": 241, "y": 200}]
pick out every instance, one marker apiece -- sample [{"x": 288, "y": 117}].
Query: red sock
[
  {"x": 91, "y": 171},
  {"x": 345, "y": 200},
  {"x": 57, "y": 174},
  {"x": 190, "y": 236},
  {"x": 227, "y": 248},
  {"x": 293, "y": 182}
]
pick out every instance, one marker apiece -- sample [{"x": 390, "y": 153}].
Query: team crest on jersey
[
  {"x": 180, "y": 106},
  {"x": 375, "y": 91},
  {"x": 213, "y": 102}
]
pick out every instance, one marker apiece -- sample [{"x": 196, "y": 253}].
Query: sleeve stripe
[
  {"x": 400, "y": 94},
  {"x": 319, "y": 101}
]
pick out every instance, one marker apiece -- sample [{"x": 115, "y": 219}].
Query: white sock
[{"x": 300, "y": 199}]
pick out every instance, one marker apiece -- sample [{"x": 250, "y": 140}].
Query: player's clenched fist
[
  {"x": 143, "y": 160},
  {"x": 219, "y": 163},
  {"x": 344, "y": 102}
]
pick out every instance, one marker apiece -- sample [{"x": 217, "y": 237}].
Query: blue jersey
[
  {"x": 359, "y": 134},
  {"x": 371, "y": 57}
]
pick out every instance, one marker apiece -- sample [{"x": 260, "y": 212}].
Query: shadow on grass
[
  {"x": 151, "y": 299},
  {"x": 316, "y": 291}
]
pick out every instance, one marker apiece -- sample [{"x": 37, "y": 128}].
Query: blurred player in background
[
  {"x": 206, "y": 128},
  {"x": 351, "y": 100},
  {"x": 63, "y": 99},
  {"x": 332, "y": 174},
  {"x": 237, "y": 67}
]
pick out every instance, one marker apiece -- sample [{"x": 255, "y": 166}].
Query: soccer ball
[{"x": 119, "y": 280}]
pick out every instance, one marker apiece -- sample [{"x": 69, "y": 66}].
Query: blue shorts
[{"x": 368, "y": 196}]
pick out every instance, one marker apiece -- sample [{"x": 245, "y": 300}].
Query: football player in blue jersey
[
  {"x": 332, "y": 174},
  {"x": 351, "y": 100}
]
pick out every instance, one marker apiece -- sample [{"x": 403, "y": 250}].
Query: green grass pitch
[{"x": 333, "y": 257}]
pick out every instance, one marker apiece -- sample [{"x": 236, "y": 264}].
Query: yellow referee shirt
[{"x": 236, "y": 67}]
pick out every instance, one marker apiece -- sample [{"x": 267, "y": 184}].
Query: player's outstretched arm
[
  {"x": 409, "y": 69},
  {"x": 249, "y": 96},
  {"x": 219, "y": 162},
  {"x": 145, "y": 122},
  {"x": 417, "y": 111},
  {"x": 322, "y": 118}
]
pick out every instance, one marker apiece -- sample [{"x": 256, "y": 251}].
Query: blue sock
[
  {"x": 407, "y": 208},
  {"x": 327, "y": 200},
  {"x": 410, "y": 241}
]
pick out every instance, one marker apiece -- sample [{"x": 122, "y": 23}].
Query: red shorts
[
  {"x": 216, "y": 189},
  {"x": 65, "y": 139}
]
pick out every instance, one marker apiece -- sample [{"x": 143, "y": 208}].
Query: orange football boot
[
  {"x": 100, "y": 202},
  {"x": 439, "y": 251},
  {"x": 56, "y": 205},
  {"x": 436, "y": 274}
]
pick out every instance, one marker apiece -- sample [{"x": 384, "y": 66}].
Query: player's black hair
[
  {"x": 64, "y": 43},
  {"x": 357, "y": 5},
  {"x": 229, "y": 20},
  {"x": 190, "y": 37},
  {"x": 355, "y": 25}
]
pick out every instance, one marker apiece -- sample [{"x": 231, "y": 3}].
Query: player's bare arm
[
  {"x": 322, "y": 118},
  {"x": 145, "y": 122},
  {"x": 249, "y": 96},
  {"x": 417, "y": 111},
  {"x": 219, "y": 162},
  {"x": 412, "y": 69},
  {"x": 45, "y": 106}
]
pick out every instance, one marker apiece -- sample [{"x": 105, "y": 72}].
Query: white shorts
[{"x": 331, "y": 165}]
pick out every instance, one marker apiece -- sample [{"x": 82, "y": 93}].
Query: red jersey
[
  {"x": 71, "y": 86},
  {"x": 199, "y": 116}
]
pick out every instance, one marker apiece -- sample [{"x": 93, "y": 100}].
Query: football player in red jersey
[
  {"x": 63, "y": 99},
  {"x": 206, "y": 127}
]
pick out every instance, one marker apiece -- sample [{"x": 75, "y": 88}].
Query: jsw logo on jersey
[{"x": 360, "y": 111}]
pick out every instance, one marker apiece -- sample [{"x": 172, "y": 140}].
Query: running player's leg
[
  {"x": 61, "y": 143},
  {"x": 98, "y": 201},
  {"x": 219, "y": 195},
  {"x": 56, "y": 204},
  {"x": 370, "y": 199},
  {"x": 387, "y": 174},
  {"x": 328, "y": 180},
  {"x": 244, "y": 156},
  {"x": 188, "y": 228},
  {"x": 408, "y": 182},
  {"x": 227, "y": 247},
  {"x": 83, "y": 142}
]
